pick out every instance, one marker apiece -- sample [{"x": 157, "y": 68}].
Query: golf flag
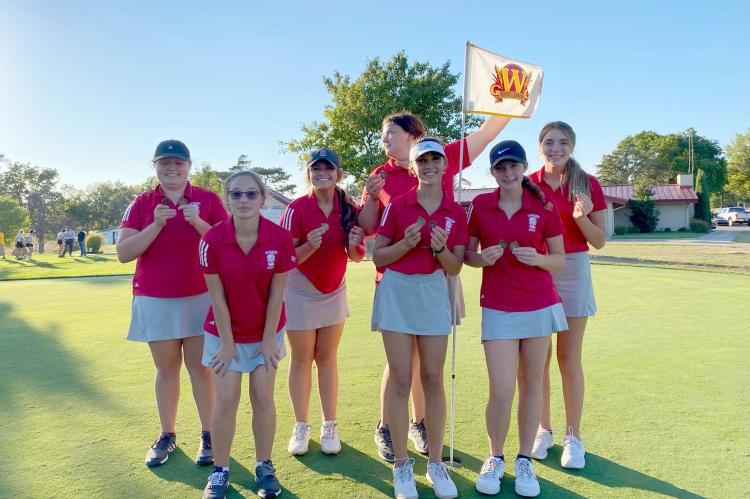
[{"x": 500, "y": 86}]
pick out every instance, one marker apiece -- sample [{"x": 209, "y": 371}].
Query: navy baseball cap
[
  {"x": 324, "y": 154},
  {"x": 172, "y": 149},
  {"x": 507, "y": 149}
]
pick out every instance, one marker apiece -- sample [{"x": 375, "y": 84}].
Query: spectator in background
[
  {"x": 70, "y": 234},
  {"x": 19, "y": 250},
  {"x": 30, "y": 244},
  {"x": 82, "y": 241},
  {"x": 60, "y": 237},
  {"x": 2, "y": 245}
]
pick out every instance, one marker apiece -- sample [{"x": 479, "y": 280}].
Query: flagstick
[{"x": 454, "y": 463}]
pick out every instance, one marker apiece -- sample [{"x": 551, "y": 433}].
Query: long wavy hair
[{"x": 573, "y": 177}]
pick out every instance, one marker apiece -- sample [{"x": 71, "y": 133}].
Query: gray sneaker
[
  {"x": 265, "y": 479},
  {"x": 383, "y": 440},
  {"x": 216, "y": 488},
  {"x": 205, "y": 452},
  {"x": 159, "y": 451},
  {"x": 418, "y": 436}
]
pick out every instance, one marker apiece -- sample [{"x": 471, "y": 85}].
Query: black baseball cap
[
  {"x": 324, "y": 154},
  {"x": 507, "y": 149},
  {"x": 172, "y": 149}
]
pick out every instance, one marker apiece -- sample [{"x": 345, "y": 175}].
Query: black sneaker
[
  {"x": 205, "y": 453},
  {"x": 383, "y": 440},
  {"x": 159, "y": 451},
  {"x": 218, "y": 481},
  {"x": 265, "y": 479},
  {"x": 418, "y": 435}
]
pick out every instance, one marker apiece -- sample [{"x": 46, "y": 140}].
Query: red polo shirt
[
  {"x": 575, "y": 241},
  {"x": 399, "y": 181},
  {"x": 509, "y": 285},
  {"x": 404, "y": 211},
  {"x": 169, "y": 268},
  {"x": 246, "y": 278},
  {"x": 326, "y": 266}
]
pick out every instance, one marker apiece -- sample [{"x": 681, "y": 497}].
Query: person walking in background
[
  {"x": 60, "y": 242},
  {"x": 82, "y": 241},
  {"x": 322, "y": 226},
  {"x": 70, "y": 235},
  {"x": 30, "y": 244},
  {"x": 161, "y": 228},
  {"x": 579, "y": 199},
  {"x": 20, "y": 250},
  {"x": 520, "y": 235}
]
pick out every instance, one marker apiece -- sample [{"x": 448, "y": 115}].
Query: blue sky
[{"x": 89, "y": 87}]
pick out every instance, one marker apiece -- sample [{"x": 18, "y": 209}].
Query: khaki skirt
[{"x": 307, "y": 308}]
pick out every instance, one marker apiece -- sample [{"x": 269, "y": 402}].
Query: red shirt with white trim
[
  {"x": 509, "y": 285},
  {"x": 399, "y": 181},
  {"x": 575, "y": 241},
  {"x": 326, "y": 266},
  {"x": 246, "y": 278},
  {"x": 404, "y": 211},
  {"x": 169, "y": 267}
]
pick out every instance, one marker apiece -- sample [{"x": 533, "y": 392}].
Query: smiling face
[
  {"x": 429, "y": 168},
  {"x": 396, "y": 141},
  {"x": 555, "y": 148},
  {"x": 509, "y": 174},
  {"x": 172, "y": 172},
  {"x": 322, "y": 175},
  {"x": 240, "y": 206}
]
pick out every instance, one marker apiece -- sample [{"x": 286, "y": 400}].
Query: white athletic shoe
[
  {"x": 437, "y": 476},
  {"x": 526, "y": 483},
  {"x": 329, "y": 438},
  {"x": 542, "y": 443},
  {"x": 573, "y": 452},
  {"x": 404, "y": 486},
  {"x": 488, "y": 481},
  {"x": 300, "y": 439}
]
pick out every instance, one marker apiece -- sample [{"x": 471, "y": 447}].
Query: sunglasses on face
[{"x": 250, "y": 195}]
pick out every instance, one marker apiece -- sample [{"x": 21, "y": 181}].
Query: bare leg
[
  {"x": 326, "y": 347},
  {"x": 502, "y": 360},
  {"x": 302, "y": 345},
  {"x": 533, "y": 352},
  {"x": 264, "y": 411},
  {"x": 417, "y": 393},
  {"x": 398, "y": 348},
  {"x": 167, "y": 355},
  {"x": 224, "y": 418},
  {"x": 569, "y": 352},
  {"x": 201, "y": 379},
  {"x": 432, "y": 351}
]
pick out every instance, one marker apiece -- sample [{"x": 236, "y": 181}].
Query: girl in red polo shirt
[
  {"x": 520, "y": 235},
  {"x": 422, "y": 237},
  {"x": 394, "y": 179},
  {"x": 322, "y": 227},
  {"x": 245, "y": 261},
  {"x": 162, "y": 228},
  {"x": 580, "y": 201}
]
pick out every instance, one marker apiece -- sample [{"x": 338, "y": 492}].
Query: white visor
[{"x": 420, "y": 148}]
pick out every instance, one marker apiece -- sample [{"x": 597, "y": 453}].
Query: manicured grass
[
  {"x": 666, "y": 407},
  {"x": 722, "y": 257},
  {"x": 660, "y": 235},
  {"x": 49, "y": 265},
  {"x": 742, "y": 237}
]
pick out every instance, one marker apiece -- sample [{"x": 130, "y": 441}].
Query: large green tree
[
  {"x": 738, "y": 168},
  {"x": 100, "y": 205},
  {"x": 353, "y": 119},
  {"x": 13, "y": 216},
  {"x": 208, "y": 178}
]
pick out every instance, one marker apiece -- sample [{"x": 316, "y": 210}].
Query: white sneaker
[
  {"x": 300, "y": 439},
  {"x": 526, "y": 483},
  {"x": 542, "y": 443},
  {"x": 573, "y": 452},
  {"x": 329, "y": 438},
  {"x": 438, "y": 477},
  {"x": 488, "y": 481},
  {"x": 404, "y": 486}
]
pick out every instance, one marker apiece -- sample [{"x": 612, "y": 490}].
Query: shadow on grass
[{"x": 610, "y": 474}]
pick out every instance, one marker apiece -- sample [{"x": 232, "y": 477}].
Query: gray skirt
[
  {"x": 574, "y": 285},
  {"x": 499, "y": 325},
  {"x": 157, "y": 319},
  {"x": 414, "y": 304},
  {"x": 456, "y": 297},
  {"x": 246, "y": 353},
  {"x": 307, "y": 308}
]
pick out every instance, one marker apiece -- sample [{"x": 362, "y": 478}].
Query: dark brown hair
[{"x": 407, "y": 122}]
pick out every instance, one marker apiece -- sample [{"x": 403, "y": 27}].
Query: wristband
[{"x": 437, "y": 252}]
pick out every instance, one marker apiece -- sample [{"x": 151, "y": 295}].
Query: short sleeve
[
  {"x": 553, "y": 224},
  {"x": 597, "y": 195},
  {"x": 207, "y": 257},
  {"x": 453, "y": 156},
  {"x": 132, "y": 218},
  {"x": 291, "y": 220},
  {"x": 287, "y": 256},
  {"x": 473, "y": 224},
  {"x": 218, "y": 213},
  {"x": 388, "y": 222}
]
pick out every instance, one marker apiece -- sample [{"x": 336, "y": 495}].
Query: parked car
[{"x": 732, "y": 215}]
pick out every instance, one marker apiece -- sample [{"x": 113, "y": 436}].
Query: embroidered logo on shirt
[
  {"x": 271, "y": 259},
  {"x": 449, "y": 224},
  {"x": 533, "y": 218}
]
